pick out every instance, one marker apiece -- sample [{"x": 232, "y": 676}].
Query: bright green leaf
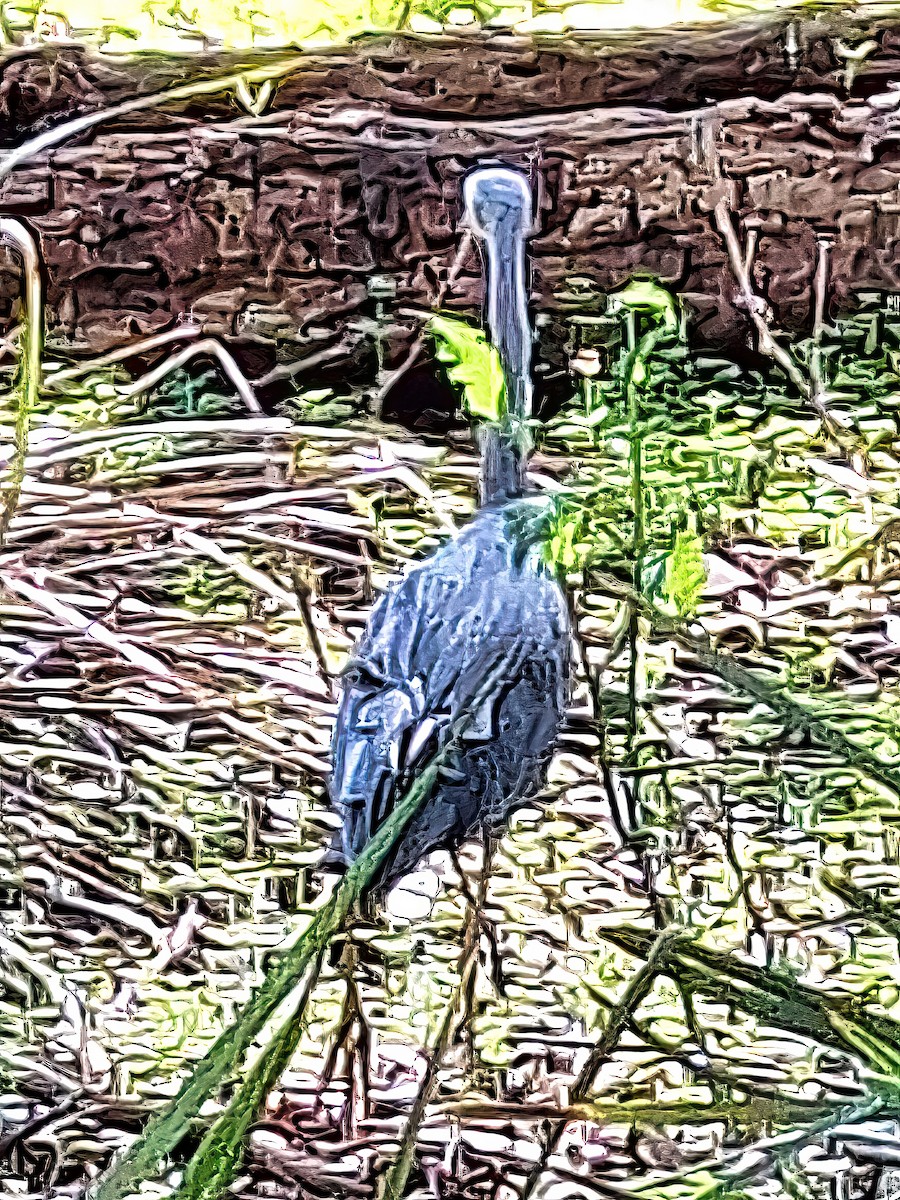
[
  {"x": 644, "y": 295},
  {"x": 473, "y": 365},
  {"x": 685, "y": 574}
]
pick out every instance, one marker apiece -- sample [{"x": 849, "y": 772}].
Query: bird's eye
[{"x": 361, "y": 674}]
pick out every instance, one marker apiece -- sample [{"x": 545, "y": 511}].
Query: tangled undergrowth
[{"x": 682, "y": 976}]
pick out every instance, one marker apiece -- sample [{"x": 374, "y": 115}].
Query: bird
[{"x": 488, "y": 593}]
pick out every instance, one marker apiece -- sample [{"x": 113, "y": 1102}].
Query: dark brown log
[{"x": 278, "y": 231}]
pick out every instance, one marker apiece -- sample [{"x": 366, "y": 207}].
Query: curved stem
[
  {"x": 27, "y": 389},
  {"x": 210, "y": 347},
  {"x": 639, "y": 356},
  {"x": 131, "y": 350}
]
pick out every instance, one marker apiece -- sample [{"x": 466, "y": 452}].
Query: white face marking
[{"x": 420, "y": 738}]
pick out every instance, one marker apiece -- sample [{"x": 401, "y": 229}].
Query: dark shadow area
[{"x": 423, "y": 403}]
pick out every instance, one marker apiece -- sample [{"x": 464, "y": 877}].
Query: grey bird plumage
[
  {"x": 430, "y": 643},
  {"x": 486, "y": 596}
]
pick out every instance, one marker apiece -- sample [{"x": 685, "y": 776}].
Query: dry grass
[{"x": 179, "y": 591}]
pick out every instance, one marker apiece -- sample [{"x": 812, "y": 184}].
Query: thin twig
[
  {"x": 394, "y": 1183},
  {"x": 288, "y": 370},
  {"x": 199, "y": 87},
  {"x": 757, "y": 310},
  {"x": 24, "y": 1131},
  {"x": 89, "y": 626},
  {"x": 747, "y": 1161},
  {"x": 238, "y": 566},
  {"x": 777, "y": 999},
  {"x": 131, "y": 350}
]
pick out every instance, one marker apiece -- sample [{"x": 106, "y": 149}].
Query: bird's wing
[
  {"x": 382, "y": 727},
  {"x": 374, "y": 722}
]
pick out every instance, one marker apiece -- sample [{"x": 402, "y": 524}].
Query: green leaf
[
  {"x": 473, "y": 365},
  {"x": 645, "y": 295},
  {"x": 685, "y": 574}
]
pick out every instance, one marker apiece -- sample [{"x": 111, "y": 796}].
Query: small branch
[
  {"x": 820, "y": 298},
  {"x": 9, "y": 342},
  {"x": 250, "y": 575},
  {"x": 758, "y": 311},
  {"x": 296, "y": 546},
  {"x": 289, "y": 370},
  {"x": 750, "y": 251},
  {"x": 24, "y": 1131},
  {"x": 415, "y": 353},
  {"x": 648, "y": 1112},
  {"x": 254, "y": 104},
  {"x": 89, "y": 626},
  {"x": 351, "y": 1013},
  {"x": 820, "y": 286},
  {"x": 206, "y": 346},
  {"x": 200, "y": 87},
  {"x": 743, "y": 1163},
  {"x": 303, "y": 596}
]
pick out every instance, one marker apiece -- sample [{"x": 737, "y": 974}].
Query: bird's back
[{"x": 431, "y": 642}]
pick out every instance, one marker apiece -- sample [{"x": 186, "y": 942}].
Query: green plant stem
[
  {"x": 218, "y": 1157},
  {"x": 792, "y": 714},
  {"x": 636, "y": 470},
  {"x": 619, "y": 1015},
  {"x": 746, "y": 1162},
  {"x": 883, "y": 914},
  {"x": 28, "y": 382},
  {"x": 638, "y": 360},
  {"x": 777, "y": 998},
  {"x": 167, "y": 1127}
]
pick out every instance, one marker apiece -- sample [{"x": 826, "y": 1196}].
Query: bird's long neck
[{"x": 505, "y": 447}]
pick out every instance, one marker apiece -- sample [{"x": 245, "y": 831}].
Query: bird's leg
[
  {"x": 345, "y": 1024},
  {"x": 357, "y": 1109},
  {"x": 490, "y": 840},
  {"x": 351, "y": 1035},
  {"x": 476, "y": 900},
  {"x": 467, "y": 998},
  {"x": 476, "y": 903}
]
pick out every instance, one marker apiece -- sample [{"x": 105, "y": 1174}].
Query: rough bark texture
[{"x": 323, "y": 222}]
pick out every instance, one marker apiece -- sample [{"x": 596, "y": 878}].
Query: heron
[{"x": 434, "y": 636}]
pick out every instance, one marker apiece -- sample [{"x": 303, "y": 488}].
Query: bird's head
[{"x": 497, "y": 198}]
